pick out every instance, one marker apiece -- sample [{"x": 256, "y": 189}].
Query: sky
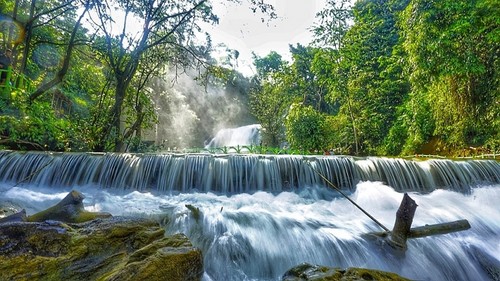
[
  {"x": 242, "y": 30},
  {"x": 239, "y": 28}
]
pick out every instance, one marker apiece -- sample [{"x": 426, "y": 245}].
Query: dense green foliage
[
  {"x": 406, "y": 77},
  {"x": 94, "y": 65},
  {"x": 381, "y": 77}
]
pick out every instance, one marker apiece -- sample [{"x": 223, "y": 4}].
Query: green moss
[
  {"x": 371, "y": 274},
  {"x": 109, "y": 249},
  {"x": 195, "y": 212},
  {"x": 322, "y": 273}
]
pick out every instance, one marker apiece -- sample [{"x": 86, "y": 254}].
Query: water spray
[{"x": 346, "y": 197}]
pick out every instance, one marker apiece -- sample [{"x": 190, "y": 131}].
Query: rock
[
  {"x": 103, "y": 249},
  {"x": 195, "y": 212},
  {"x": 307, "y": 272},
  {"x": 70, "y": 209},
  {"x": 19, "y": 216},
  {"x": 8, "y": 208}
]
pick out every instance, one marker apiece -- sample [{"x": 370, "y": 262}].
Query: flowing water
[
  {"x": 244, "y": 135},
  {"x": 261, "y": 215}
]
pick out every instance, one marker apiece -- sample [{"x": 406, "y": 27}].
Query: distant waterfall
[
  {"x": 238, "y": 173},
  {"x": 245, "y": 135}
]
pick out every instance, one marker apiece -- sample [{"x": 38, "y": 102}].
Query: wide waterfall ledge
[{"x": 239, "y": 173}]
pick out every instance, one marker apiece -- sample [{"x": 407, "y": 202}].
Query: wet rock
[
  {"x": 19, "y": 216},
  {"x": 490, "y": 264},
  {"x": 308, "y": 272},
  {"x": 69, "y": 209},
  {"x": 8, "y": 208},
  {"x": 103, "y": 249}
]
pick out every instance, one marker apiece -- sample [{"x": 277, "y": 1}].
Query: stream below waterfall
[
  {"x": 260, "y": 215},
  {"x": 260, "y": 235}
]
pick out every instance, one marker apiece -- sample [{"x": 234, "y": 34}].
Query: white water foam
[
  {"x": 244, "y": 135},
  {"x": 259, "y": 236}
]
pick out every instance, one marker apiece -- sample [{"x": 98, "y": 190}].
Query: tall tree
[
  {"x": 333, "y": 22},
  {"x": 368, "y": 84},
  {"x": 452, "y": 51},
  {"x": 58, "y": 78},
  {"x": 269, "y": 102},
  {"x": 171, "y": 25}
]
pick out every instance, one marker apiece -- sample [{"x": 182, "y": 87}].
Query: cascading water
[
  {"x": 261, "y": 215},
  {"x": 245, "y": 135}
]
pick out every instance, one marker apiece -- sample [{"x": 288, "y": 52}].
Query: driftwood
[
  {"x": 404, "y": 219},
  {"x": 441, "y": 228},
  {"x": 69, "y": 210},
  {"x": 402, "y": 227}
]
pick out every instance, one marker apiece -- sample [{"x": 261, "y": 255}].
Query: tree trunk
[
  {"x": 28, "y": 29},
  {"x": 64, "y": 69},
  {"x": 436, "y": 229},
  {"x": 11, "y": 41},
  {"x": 354, "y": 130},
  {"x": 116, "y": 113},
  {"x": 402, "y": 227},
  {"x": 404, "y": 219}
]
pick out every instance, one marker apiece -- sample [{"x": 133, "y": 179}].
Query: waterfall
[
  {"x": 238, "y": 173},
  {"x": 260, "y": 215},
  {"x": 245, "y": 135},
  {"x": 261, "y": 235}
]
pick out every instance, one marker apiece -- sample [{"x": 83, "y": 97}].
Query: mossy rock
[
  {"x": 69, "y": 209},
  {"x": 102, "y": 249},
  {"x": 307, "y": 272}
]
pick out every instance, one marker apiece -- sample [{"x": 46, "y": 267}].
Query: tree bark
[
  {"x": 404, "y": 219},
  {"x": 436, "y": 229}
]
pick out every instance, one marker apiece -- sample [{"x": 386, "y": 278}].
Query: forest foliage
[
  {"x": 392, "y": 77},
  {"x": 94, "y": 67},
  {"x": 404, "y": 77}
]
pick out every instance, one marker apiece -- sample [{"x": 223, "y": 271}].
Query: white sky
[
  {"x": 244, "y": 31},
  {"x": 240, "y": 29}
]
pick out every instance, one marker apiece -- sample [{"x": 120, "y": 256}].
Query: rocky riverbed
[{"x": 65, "y": 242}]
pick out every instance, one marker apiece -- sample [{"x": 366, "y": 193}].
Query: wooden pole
[{"x": 402, "y": 227}]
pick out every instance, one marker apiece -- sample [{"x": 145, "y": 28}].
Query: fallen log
[
  {"x": 440, "y": 228},
  {"x": 430, "y": 230},
  {"x": 402, "y": 230}
]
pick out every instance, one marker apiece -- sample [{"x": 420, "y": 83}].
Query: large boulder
[
  {"x": 308, "y": 272},
  {"x": 102, "y": 249}
]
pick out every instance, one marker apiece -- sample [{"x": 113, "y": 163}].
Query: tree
[
  {"x": 270, "y": 100},
  {"x": 306, "y": 82},
  {"x": 269, "y": 64},
  {"x": 308, "y": 129},
  {"x": 366, "y": 80},
  {"x": 334, "y": 21},
  {"x": 169, "y": 25},
  {"x": 452, "y": 49},
  {"x": 58, "y": 78}
]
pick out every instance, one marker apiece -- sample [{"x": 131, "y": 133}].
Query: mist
[{"x": 190, "y": 114}]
